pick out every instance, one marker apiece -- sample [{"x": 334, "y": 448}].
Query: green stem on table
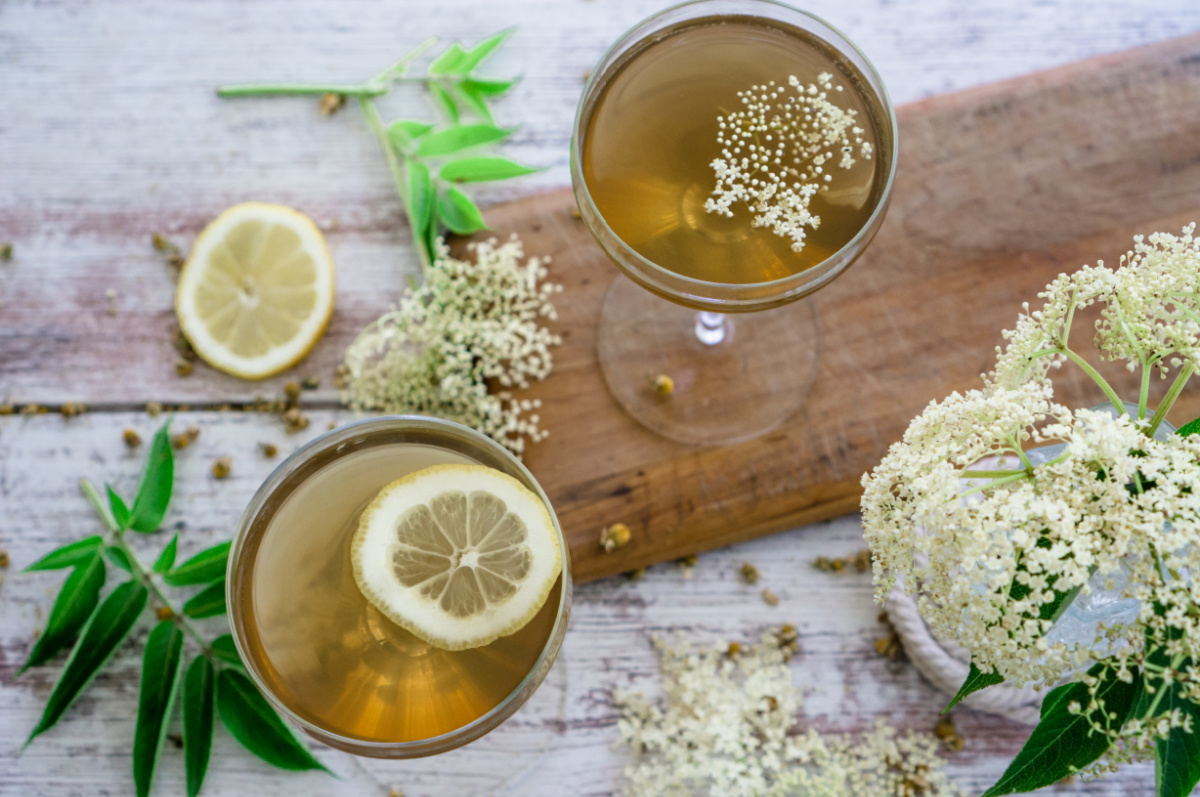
[
  {"x": 1168, "y": 400},
  {"x": 300, "y": 90},
  {"x": 375, "y": 87},
  {"x": 399, "y": 173},
  {"x": 139, "y": 570},
  {"x": 1098, "y": 379}
]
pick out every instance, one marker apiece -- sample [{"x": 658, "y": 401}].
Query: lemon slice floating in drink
[
  {"x": 460, "y": 555},
  {"x": 257, "y": 290}
]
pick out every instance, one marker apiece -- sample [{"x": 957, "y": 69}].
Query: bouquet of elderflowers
[{"x": 1000, "y": 508}]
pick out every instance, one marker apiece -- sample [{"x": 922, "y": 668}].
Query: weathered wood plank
[
  {"x": 607, "y": 645},
  {"x": 119, "y": 136},
  {"x": 110, "y": 134}
]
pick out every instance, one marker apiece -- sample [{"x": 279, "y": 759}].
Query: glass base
[{"x": 734, "y": 377}]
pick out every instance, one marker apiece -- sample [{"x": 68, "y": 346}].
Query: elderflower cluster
[
  {"x": 1002, "y": 535},
  {"x": 468, "y": 327},
  {"x": 727, "y": 726},
  {"x": 1150, "y": 316},
  {"x": 775, "y": 154}
]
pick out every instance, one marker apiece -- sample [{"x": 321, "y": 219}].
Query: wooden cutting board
[{"x": 999, "y": 189}]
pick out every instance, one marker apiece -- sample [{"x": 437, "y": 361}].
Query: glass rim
[
  {"x": 464, "y": 734},
  {"x": 581, "y": 190}
]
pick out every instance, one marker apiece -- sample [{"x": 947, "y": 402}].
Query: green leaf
[
  {"x": 460, "y": 137},
  {"x": 166, "y": 559},
  {"x": 459, "y": 213},
  {"x": 105, "y": 631},
  {"x": 119, "y": 510},
  {"x": 487, "y": 87},
  {"x": 475, "y": 56},
  {"x": 451, "y": 62},
  {"x": 477, "y": 103},
  {"x": 225, "y": 650},
  {"x": 252, "y": 721},
  {"x": 154, "y": 493},
  {"x": 162, "y": 663},
  {"x": 444, "y": 101},
  {"x": 208, "y": 602},
  {"x": 74, "y": 605},
  {"x": 420, "y": 197},
  {"x": 1189, "y": 428},
  {"x": 204, "y": 567},
  {"x": 482, "y": 169},
  {"x": 199, "y": 704},
  {"x": 1063, "y": 742},
  {"x": 1177, "y": 769},
  {"x": 976, "y": 681},
  {"x": 404, "y": 133},
  {"x": 75, "y": 553},
  {"x": 118, "y": 558}
]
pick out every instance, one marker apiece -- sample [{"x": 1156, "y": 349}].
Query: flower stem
[
  {"x": 300, "y": 90},
  {"x": 1169, "y": 400},
  {"x": 140, "y": 572},
  {"x": 399, "y": 176},
  {"x": 988, "y": 474},
  {"x": 1099, "y": 380},
  {"x": 1144, "y": 395},
  {"x": 996, "y": 483}
]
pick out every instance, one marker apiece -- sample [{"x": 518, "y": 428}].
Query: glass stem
[{"x": 712, "y": 328}]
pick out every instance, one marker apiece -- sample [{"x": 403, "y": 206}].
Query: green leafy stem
[
  {"x": 426, "y": 159},
  {"x": 214, "y": 683}
]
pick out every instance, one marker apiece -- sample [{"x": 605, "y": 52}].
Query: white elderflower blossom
[
  {"x": 775, "y": 154},
  {"x": 468, "y": 326},
  {"x": 999, "y": 534},
  {"x": 727, "y": 726},
  {"x": 1150, "y": 318}
]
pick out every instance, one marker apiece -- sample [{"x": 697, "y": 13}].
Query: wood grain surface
[
  {"x": 110, "y": 133},
  {"x": 998, "y": 190}
]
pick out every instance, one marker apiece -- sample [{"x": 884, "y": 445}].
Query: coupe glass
[
  {"x": 742, "y": 356},
  {"x": 363, "y": 631}
]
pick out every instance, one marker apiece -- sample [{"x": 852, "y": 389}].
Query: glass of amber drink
[
  {"x": 328, "y": 658},
  {"x": 730, "y": 157}
]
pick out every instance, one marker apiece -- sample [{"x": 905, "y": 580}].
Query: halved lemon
[
  {"x": 460, "y": 555},
  {"x": 256, "y": 292}
]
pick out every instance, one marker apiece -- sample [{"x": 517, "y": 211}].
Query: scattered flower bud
[
  {"x": 770, "y": 598},
  {"x": 294, "y": 421},
  {"x": 131, "y": 438},
  {"x": 749, "y": 573},
  {"x": 268, "y": 450},
  {"x": 615, "y": 536},
  {"x": 331, "y": 103},
  {"x": 71, "y": 409},
  {"x": 222, "y": 467},
  {"x": 153, "y": 408},
  {"x": 183, "y": 367},
  {"x": 164, "y": 613},
  {"x": 663, "y": 385},
  {"x": 311, "y": 382}
]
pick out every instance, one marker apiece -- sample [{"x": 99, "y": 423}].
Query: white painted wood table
[{"x": 110, "y": 132}]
